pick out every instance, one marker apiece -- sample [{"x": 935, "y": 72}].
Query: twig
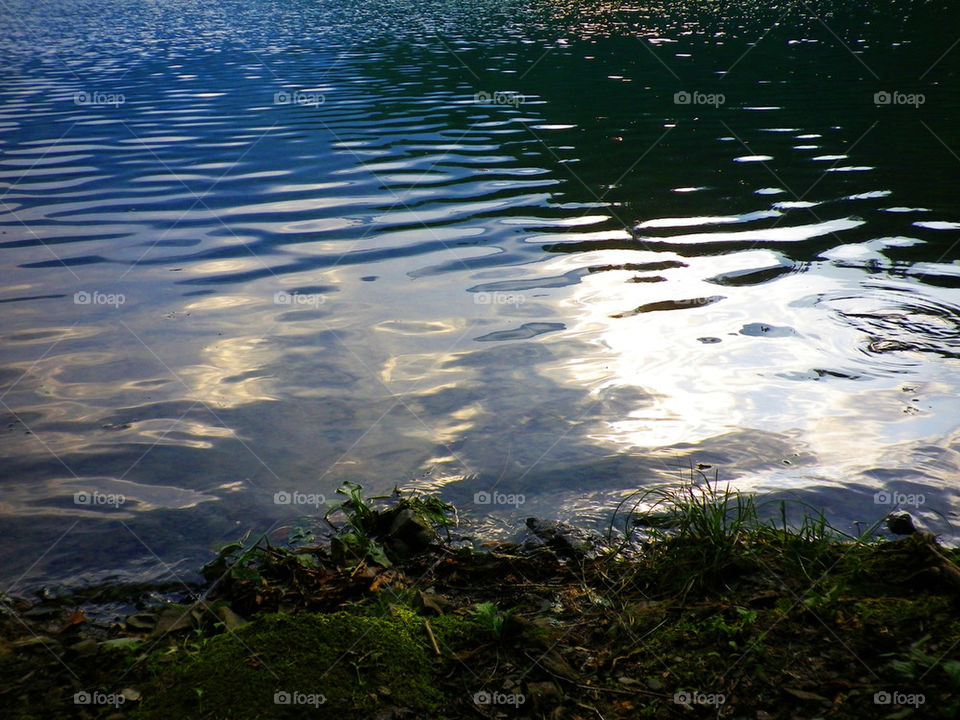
[
  {"x": 357, "y": 568},
  {"x": 590, "y": 707},
  {"x": 433, "y": 640},
  {"x": 634, "y": 691}
]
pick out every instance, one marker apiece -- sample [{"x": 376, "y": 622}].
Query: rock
[
  {"x": 122, "y": 643},
  {"x": 11, "y": 605},
  {"x": 141, "y": 622},
  {"x": 901, "y": 523},
  {"x": 40, "y": 613},
  {"x": 409, "y": 533},
  {"x": 171, "y": 620},
  {"x": 881, "y": 345},
  {"x": 85, "y": 648},
  {"x": 37, "y": 641},
  {"x": 229, "y": 618},
  {"x": 566, "y": 540}
]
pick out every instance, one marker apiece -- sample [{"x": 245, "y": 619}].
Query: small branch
[{"x": 433, "y": 640}]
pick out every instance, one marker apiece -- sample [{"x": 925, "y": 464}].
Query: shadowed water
[{"x": 557, "y": 250}]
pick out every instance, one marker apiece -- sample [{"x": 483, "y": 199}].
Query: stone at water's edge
[
  {"x": 409, "y": 533},
  {"x": 901, "y": 523},
  {"x": 229, "y": 618},
  {"x": 566, "y": 540}
]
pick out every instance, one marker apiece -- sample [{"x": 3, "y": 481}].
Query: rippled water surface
[{"x": 556, "y": 249}]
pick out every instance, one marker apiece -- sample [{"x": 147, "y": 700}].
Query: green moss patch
[{"x": 335, "y": 665}]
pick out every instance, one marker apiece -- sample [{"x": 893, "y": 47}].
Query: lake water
[{"x": 551, "y": 249}]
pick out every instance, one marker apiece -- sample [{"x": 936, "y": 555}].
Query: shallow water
[{"x": 562, "y": 251}]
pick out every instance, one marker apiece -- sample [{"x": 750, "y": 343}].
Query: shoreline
[{"x": 696, "y": 609}]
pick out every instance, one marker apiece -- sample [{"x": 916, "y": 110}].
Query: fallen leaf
[{"x": 74, "y": 618}]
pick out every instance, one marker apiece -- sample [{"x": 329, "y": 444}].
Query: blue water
[{"x": 562, "y": 251}]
